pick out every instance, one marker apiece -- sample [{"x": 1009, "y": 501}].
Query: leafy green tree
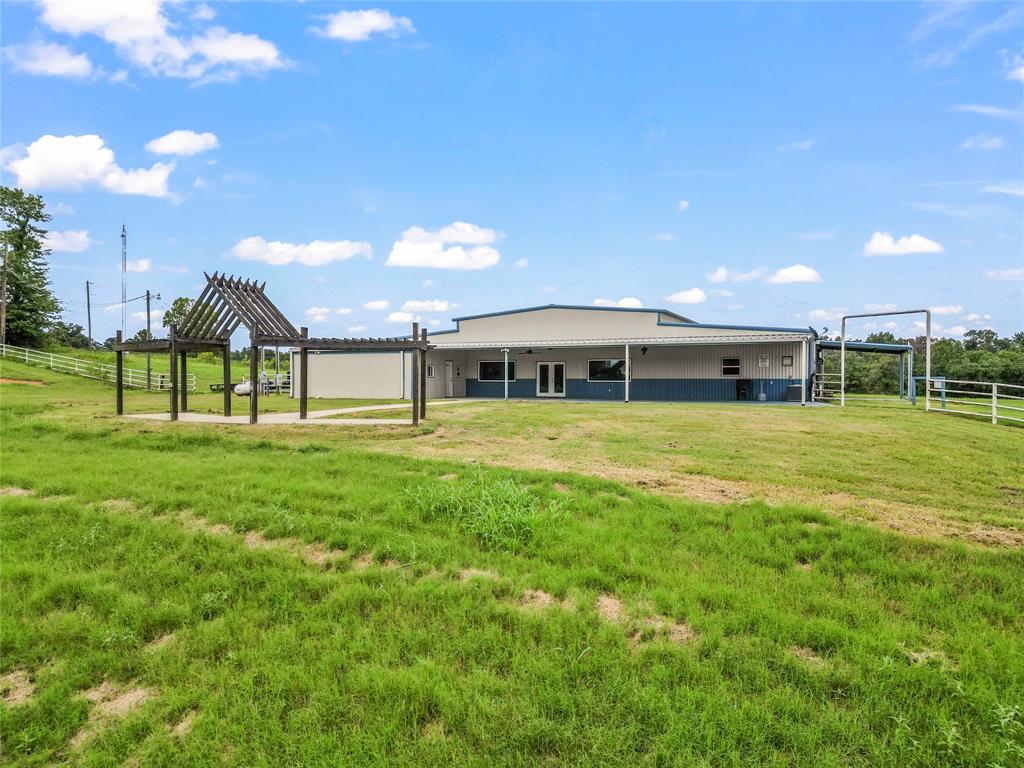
[
  {"x": 68, "y": 335},
  {"x": 179, "y": 310},
  {"x": 31, "y": 307}
]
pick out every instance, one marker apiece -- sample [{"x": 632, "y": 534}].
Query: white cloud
[
  {"x": 359, "y": 26},
  {"x": 982, "y": 141},
  {"x": 51, "y": 59},
  {"x": 828, "y": 315},
  {"x": 522, "y": 263},
  {"x": 798, "y": 273},
  {"x": 74, "y": 162},
  {"x": 665, "y": 237},
  {"x": 723, "y": 274},
  {"x": 721, "y": 293},
  {"x": 1013, "y": 273},
  {"x": 62, "y": 208},
  {"x": 156, "y": 318},
  {"x": 356, "y": 328},
  {"x": 1014, "y": 188},
  {"x": 343, "y": 311},
  {"x": 68, "y": 241},
  {"x": 952, "y": 309},
  {"x": 628, "y": 301},
  {"x": 142, "y": 265},
  {"x": 183, "y": 143},
  {"x": 203, "y": 12},
  {"x": 688, "y": 296},
  {"x": 401, "y": 317},
  {"x": 1014, "y": 67},
  {"x": 377, "y": 304},
  {"x": 428, "y": 283},
  {"x": 422, "y": 248},
  {"x": 974, "y": 317},
  {"x": 881, "y": 307},
  {"x": 200, "y": 183},
  {"x": 140, "y": 32},
  {"x": 883, "y": 244},
  {"x": 827, "y": 234},
  {"x": 313, "y": 254},
  {"x": 430, "y": 305},
  {"x": 800, "y": 145},
  {"x": 318, "y": 314},
  {"x": 682, "y": 206},
  {"x": 955, "y": 330},
  {"x": 1000, "y": 113},
  {"x": 976, "y": 28},
  {"x": 891, "y": 325}
]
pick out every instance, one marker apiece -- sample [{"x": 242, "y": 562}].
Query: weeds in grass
[{"x": 502, "y": 514}]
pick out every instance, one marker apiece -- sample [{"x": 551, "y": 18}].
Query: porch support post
[
  {"x": 303, "y": 376},
  {"x": 928, "y": 363},
  {"x": 415, "y": 375},
  {"x": 173, "y": 376},
  {"x": 805, "y": 357},
  {"x": 184, "y": 383},
  {"x": 627, "y": 372},
  {"x": 423, "y": 375},
  {"x": 254, "y": 383},
  {"x": 505, "y": 373},
  {"x": 120, "y": 377},
  {"x": 903, "y": 356},
  {"x": 227, "y": 378},
  {"x": 912, "y": 388}
]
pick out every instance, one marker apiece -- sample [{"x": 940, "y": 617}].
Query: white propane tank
[{"x": 244, "y": 389}]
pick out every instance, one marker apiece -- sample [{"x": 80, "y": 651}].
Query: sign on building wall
[{"x": 762, "y": 360}]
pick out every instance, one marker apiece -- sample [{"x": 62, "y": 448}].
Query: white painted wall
[{"x": 355, "y": 374}]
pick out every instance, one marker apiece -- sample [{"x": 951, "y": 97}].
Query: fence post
[
  {"x": 995, "y": 414},
  {"x": 120, "y": 377}
]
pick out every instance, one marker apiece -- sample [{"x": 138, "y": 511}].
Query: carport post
[
  {"x": 184, "y": 383},
  {"x": 627, "y": 373},
  {"x": 804, "y": 358},
  {"x": 415, "y": 376},
  {"x": 423, "y": 375},
  {"x": 303, "y": 374},
  {"x": 928, "y": 363},
  {"x": 227, "y": 378},
  {"x": 120, "y": 377},
  {"x": 173, "y": 376},
  {"x": 254, "y": 384},
  {"x": 903, "y": 357},
  {"x": 505, "y": 374}
]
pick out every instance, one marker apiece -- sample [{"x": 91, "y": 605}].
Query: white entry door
[
  {"x": 550, "y": 379},
  {"x": 449, "y": 378}
]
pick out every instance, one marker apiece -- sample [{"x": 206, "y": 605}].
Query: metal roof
[
  {"x": 573, "y": 306},
  {"x": 866, "y": 346}
]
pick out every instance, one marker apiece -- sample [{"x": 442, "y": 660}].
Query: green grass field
[{"x": 509, "y": 584}]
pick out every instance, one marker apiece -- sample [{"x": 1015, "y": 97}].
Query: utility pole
[
  {"x": 124, "y": 278},
  {"x": 149, "y": 337},
  {"x": 88, "y": 312},
  {"x": 3, "y": 298}
]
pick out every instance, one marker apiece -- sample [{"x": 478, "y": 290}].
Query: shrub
[{"x": 502, "y": 514}]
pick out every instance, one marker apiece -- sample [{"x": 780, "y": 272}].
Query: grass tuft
[{"x": 502, "y": 514}]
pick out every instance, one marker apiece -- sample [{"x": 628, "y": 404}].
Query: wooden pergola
[{"x": 228, "y": 302}]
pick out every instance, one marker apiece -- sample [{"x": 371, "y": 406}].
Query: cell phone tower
[{"x": 124, "y": 280}]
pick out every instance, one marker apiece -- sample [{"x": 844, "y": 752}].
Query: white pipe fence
[
  {"x": 986, "y": 398},
  {"x": 90, "y": 369}
]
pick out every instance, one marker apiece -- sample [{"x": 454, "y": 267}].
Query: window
[
  {"x": 430, "y": 370},
  {"x": 606, "y": 370},
  {"x": 494, "y": 370},
  {"x": 730, "y": 366},
  {"x": 787, "y": 361}
]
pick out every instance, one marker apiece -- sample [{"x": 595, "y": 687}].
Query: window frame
[
  {"x": 606, "y": 359},
  {"x": 430, "y": 370},
  {"x": 738, "y": 366},
  {"x": 785, "y": 358},
  {"x": 511, "y": 364}
]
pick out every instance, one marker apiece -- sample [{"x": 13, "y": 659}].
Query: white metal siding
[{"x": 355, "y": 374}]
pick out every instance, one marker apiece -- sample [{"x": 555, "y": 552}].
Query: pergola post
[
  {"x": 184, "y": 382},
  {"x": 423, "y": 375},
  {"x": 253, "y": 378},
  {"x": 227, "y": 378},
  {"x": 415, "y": 376},
  {"x": 504, "y": 374},
  {"x": 174, "y": 373},
  {"x": 303, "y": 375},
  {"x": 120, "y": 377},
  {"x": 626, "y": 371}
]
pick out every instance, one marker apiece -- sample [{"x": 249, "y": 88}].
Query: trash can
[{"x": 742, "y": 389}]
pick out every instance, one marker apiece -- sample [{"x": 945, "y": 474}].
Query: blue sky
[{"x": 754, "y": 163}]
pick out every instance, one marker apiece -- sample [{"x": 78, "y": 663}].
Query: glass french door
[{"x": 550, "y": 379}]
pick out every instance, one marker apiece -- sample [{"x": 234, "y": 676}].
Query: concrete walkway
[{"x": 321, "y": 417}]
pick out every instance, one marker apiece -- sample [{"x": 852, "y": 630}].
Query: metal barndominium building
[{"x": 228, "y": 302}]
